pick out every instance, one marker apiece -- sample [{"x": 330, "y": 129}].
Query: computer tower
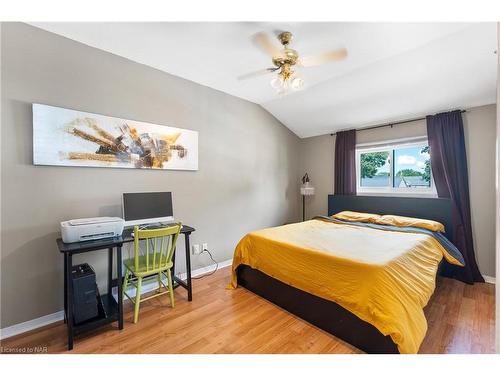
[{"x": 85, "y": 294}]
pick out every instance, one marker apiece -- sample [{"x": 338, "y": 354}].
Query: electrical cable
[{"x": 210, "y": 273}]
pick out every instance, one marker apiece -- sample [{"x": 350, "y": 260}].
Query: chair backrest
[{"x": 162, "y": 248}]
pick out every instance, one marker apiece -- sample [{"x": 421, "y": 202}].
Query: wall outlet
[
  {"x": 195, "y": 249},
  {"x": 204, "y": 247}
]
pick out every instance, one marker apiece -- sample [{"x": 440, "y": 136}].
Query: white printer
[{"x": 92, "y": 228}]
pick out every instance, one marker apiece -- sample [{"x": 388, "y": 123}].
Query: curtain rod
[{"x": 391, "y": 124}]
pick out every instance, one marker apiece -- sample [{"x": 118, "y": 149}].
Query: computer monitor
[{"x": 147, "y": 208}]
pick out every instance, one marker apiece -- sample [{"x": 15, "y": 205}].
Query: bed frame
[{"x": 326, "y": 314}]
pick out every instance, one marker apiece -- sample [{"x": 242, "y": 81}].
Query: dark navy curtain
[
  {"x": 345, "y": 163},
  {"x": 449, "y": 169}
]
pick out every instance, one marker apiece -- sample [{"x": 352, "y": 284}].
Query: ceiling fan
[{"x": 284, "y": 59}]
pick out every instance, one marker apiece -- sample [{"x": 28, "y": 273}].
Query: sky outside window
[{"x": 410, "y": 167}]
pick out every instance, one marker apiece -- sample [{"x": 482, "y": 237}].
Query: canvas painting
[{"x": 72, "y": 138}]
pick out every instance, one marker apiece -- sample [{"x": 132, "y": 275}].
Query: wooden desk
[{"x": 113, "y": 309}]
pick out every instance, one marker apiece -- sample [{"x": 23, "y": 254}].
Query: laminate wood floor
[{"x": 460, "y": 316}]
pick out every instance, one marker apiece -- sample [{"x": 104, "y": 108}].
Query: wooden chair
[{"x": 157, "y": 259}]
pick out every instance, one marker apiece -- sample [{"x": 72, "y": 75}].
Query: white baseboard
[
  {"x": 208, "y": 269},
  {"x": 489, "y": 279},
  {"x": 30, "y": 325},
  {"x": 150, "y": 286}
]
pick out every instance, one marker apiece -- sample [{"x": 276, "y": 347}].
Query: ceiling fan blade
[
  {"x": 323, "y": 58},
  {"x": 264, "y": 43},
  {"x": 256, "y": 74}
]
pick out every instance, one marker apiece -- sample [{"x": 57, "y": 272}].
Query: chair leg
[
  {"x": 170, "y": 287},
  {"x": 125, "y": 282},
  {"x": 159, "y": 282},
  {"x": 137, "y": 299}
]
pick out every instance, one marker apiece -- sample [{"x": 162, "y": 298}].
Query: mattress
[{"x": 384, "y": 275}]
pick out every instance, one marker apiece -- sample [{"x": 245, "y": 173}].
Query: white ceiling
[{"x": 393, "y": 70}]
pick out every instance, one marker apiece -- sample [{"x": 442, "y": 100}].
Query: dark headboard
[{"x": 438, "y": 209}]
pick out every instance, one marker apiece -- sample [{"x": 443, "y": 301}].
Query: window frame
[{"x": 391, "y": 190}]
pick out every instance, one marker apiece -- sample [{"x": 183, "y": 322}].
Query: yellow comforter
[{"x": 384, "y": 277}]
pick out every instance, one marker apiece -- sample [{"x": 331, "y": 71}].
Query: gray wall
[
  {"x": 480, "y": 132},
  {"x": 248, "y": 162},
  {"x": 317, "y": 158},
  {"x": 480, "y": 135}
]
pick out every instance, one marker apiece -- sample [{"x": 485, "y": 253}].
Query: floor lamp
[{"x": 306, "y": 189}]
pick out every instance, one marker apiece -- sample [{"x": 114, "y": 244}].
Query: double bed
[{"x": 363, "y": 282}]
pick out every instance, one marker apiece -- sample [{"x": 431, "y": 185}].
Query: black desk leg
[
  {"x": 110, "y": 271},
  {"x": 188, "y": 268},
  {"x": 65, "y": 289},
  {"x": 69, "y": 298},
  {"x": 120, "y": 285}
]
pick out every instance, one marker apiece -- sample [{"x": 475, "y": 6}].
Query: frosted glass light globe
[
  {"x": 276, "y": 83},
  {"x": 297, "y": 83}
]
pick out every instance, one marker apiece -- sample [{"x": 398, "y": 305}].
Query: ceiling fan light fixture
[
  {"x": 285, "y": 60},
  {"x": 276, "y": 83},
  {"x": 290, "y": 83},
  {"x": 297, "y": 83}
]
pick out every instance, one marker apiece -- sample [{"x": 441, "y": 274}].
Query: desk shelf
[{"x": 109, "y": 314}]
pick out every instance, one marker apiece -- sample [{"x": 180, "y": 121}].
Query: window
[{"x": 402, "y": 168}]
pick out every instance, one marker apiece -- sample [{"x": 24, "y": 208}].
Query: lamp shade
[{"x": 307, "y": 189}]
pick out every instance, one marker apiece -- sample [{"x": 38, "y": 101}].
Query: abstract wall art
[{"x": 72, "y": 138}]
